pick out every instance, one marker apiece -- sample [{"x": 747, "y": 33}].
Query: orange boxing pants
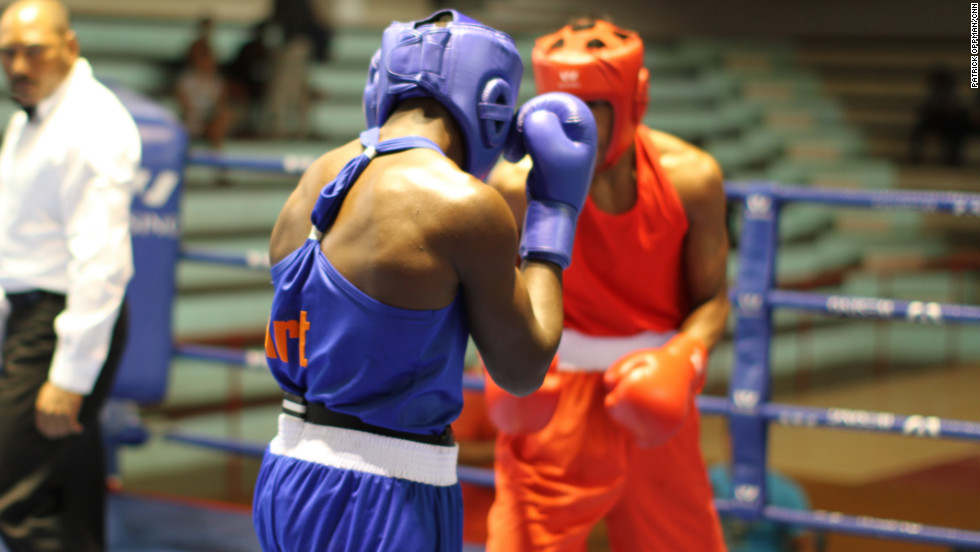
[{"x": 553, "y": 486}]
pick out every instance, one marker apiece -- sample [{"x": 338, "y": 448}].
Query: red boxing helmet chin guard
[{"x": 599, "y": 63}]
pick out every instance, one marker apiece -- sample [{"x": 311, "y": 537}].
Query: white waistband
[
  {"x": 365, "y": 452},
  {"x": 579, "y": 352}
]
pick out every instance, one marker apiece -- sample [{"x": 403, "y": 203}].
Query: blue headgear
[
  {"x": 370, "y": 100},
  {"x": 472, "y": 70}
]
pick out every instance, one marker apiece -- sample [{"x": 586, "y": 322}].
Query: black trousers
[{"x": 52, "y": 491}]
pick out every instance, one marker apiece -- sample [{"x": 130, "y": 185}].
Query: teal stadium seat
[
  {"x": 801, "y": 115},
  {"x": 219, "y": 314},
  {"x": 840, "y": 173},
  {"x": 137, "y": 75},
  {"x": 799, "y": 222},
  {"x": 353, "y": 48},
  {"x": 7, "y": 108},
  {"x": 339, "y": 83},
  {"x": 153, "y": 41},
  {"x": 337, "y": 121},
  {"x": 707, "y": 89},
  {"x": 801, "y": 262},
  {"x": 728, "y": 119},
  {"x": 757, "y": 147},
  {"x": 787, "y": 86},
  {"x": 222, "y": 212}
]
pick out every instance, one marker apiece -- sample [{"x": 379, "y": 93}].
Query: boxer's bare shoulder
[
  {"x": 695, "y": 173},
  {"x": 424, "y": 193},
  {"x": 293, "y": 225}
]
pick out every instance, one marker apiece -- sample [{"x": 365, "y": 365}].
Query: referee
[{"x": 66, "y": 167}]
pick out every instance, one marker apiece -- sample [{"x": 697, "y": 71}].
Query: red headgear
[{"x": 600, "y": 62}]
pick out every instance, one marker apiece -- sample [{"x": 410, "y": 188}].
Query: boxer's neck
[
  {"x": 613, "y": 190},
  {"x": 426, "y": 118}
]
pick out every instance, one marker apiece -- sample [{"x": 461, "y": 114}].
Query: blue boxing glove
[{"x": 559, "y": 133}]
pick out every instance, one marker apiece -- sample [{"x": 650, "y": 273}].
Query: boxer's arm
[
  {"x": 515, "y": 315},
  {"x": 705, "y": 260},
  {"x": 293, "y": 224},
  {"x": 508, "y": 179},
  {"x": 558, "y": 132}
]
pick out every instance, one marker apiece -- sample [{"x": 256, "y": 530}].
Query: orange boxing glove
[
  {"x": 522, "y": 415},
  {"x": 649, "y": 391}
]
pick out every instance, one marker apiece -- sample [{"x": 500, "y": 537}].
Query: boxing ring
[{"x": 747, "y": 406}]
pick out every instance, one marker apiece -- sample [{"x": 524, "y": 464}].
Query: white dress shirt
[{"x": 65, "y": 193}]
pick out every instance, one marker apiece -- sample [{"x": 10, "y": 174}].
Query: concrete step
[
  {"x": 963, "y": 179},
  {"x": 541, "y": 16},
  {"x": 896, "y": 147},
  {"x": 874, "y": 59}
]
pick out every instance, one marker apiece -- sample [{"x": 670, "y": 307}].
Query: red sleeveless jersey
[{"x": 627, "y": 271}]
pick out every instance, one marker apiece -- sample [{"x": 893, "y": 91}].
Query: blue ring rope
[{"x": 755, "y": 297}]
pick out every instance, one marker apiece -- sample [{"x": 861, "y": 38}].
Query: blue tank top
[{"x": 333, "y": 344}]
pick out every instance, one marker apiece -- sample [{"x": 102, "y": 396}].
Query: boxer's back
[{"x": 399, "y": 231}]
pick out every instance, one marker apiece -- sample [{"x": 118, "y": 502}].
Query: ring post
[{"x": 750, "y": 386}]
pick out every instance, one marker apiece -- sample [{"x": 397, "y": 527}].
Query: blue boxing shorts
[{"x": 324, "y": 488}]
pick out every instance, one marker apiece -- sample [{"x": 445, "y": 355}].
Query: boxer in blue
[{"x": 381, "y": 274}]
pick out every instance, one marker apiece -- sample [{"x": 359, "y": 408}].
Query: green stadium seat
[
  {"x": 729, "y": 118},
  {"x": 802, "y": 116},
  {"x": 787, "y": 86},
  {"x": 7, "y": 108},
  {"x": 803, "y": 221},
  {"x": 339, "y": 82},
  {"x": 195, "y": 383},
  {"x": 842, "y": 173},
  {"x": 137, "y": 75},
  {"x": 221, "y": 313},
  {"x": 801, "y": 262},
  {"x": 706, "y": 89},
  {"x": 756, "y": 147},
  {"x": 153, "y": 41},
  {"x": 663, "y": 61},
  {"x": 354, "y": 47},
  {"x": 337, "y": 120},
  {"x": 225, "y": 212}
]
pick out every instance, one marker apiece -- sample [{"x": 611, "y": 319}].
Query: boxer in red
[{"x": 614, "y": 432}]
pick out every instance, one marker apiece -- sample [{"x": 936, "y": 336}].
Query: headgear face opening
[
  {"x": 598, "y": 63},
  {"x": 472, "y": 70}
]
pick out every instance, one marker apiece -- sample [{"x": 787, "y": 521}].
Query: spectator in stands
[
  {"x": 201, "y": 46},
  {"x": 69, "y": 157},
  {"x": 940, "y": 113},
  {"x": 201, "y": 95},
  {"x": 306, "y": 36},
  {"x": 763, "y": 535},
  {"x": 248, "y": 77}
]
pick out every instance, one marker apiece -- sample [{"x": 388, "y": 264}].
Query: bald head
[
  {"x": 37, "y": 48},
  {"x": 46, "y": 14}
]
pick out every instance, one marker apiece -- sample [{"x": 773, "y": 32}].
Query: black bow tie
[{"x": 31, "y": 110}]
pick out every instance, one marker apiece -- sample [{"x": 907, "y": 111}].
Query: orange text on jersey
[{"x": 281, "y": 332}]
